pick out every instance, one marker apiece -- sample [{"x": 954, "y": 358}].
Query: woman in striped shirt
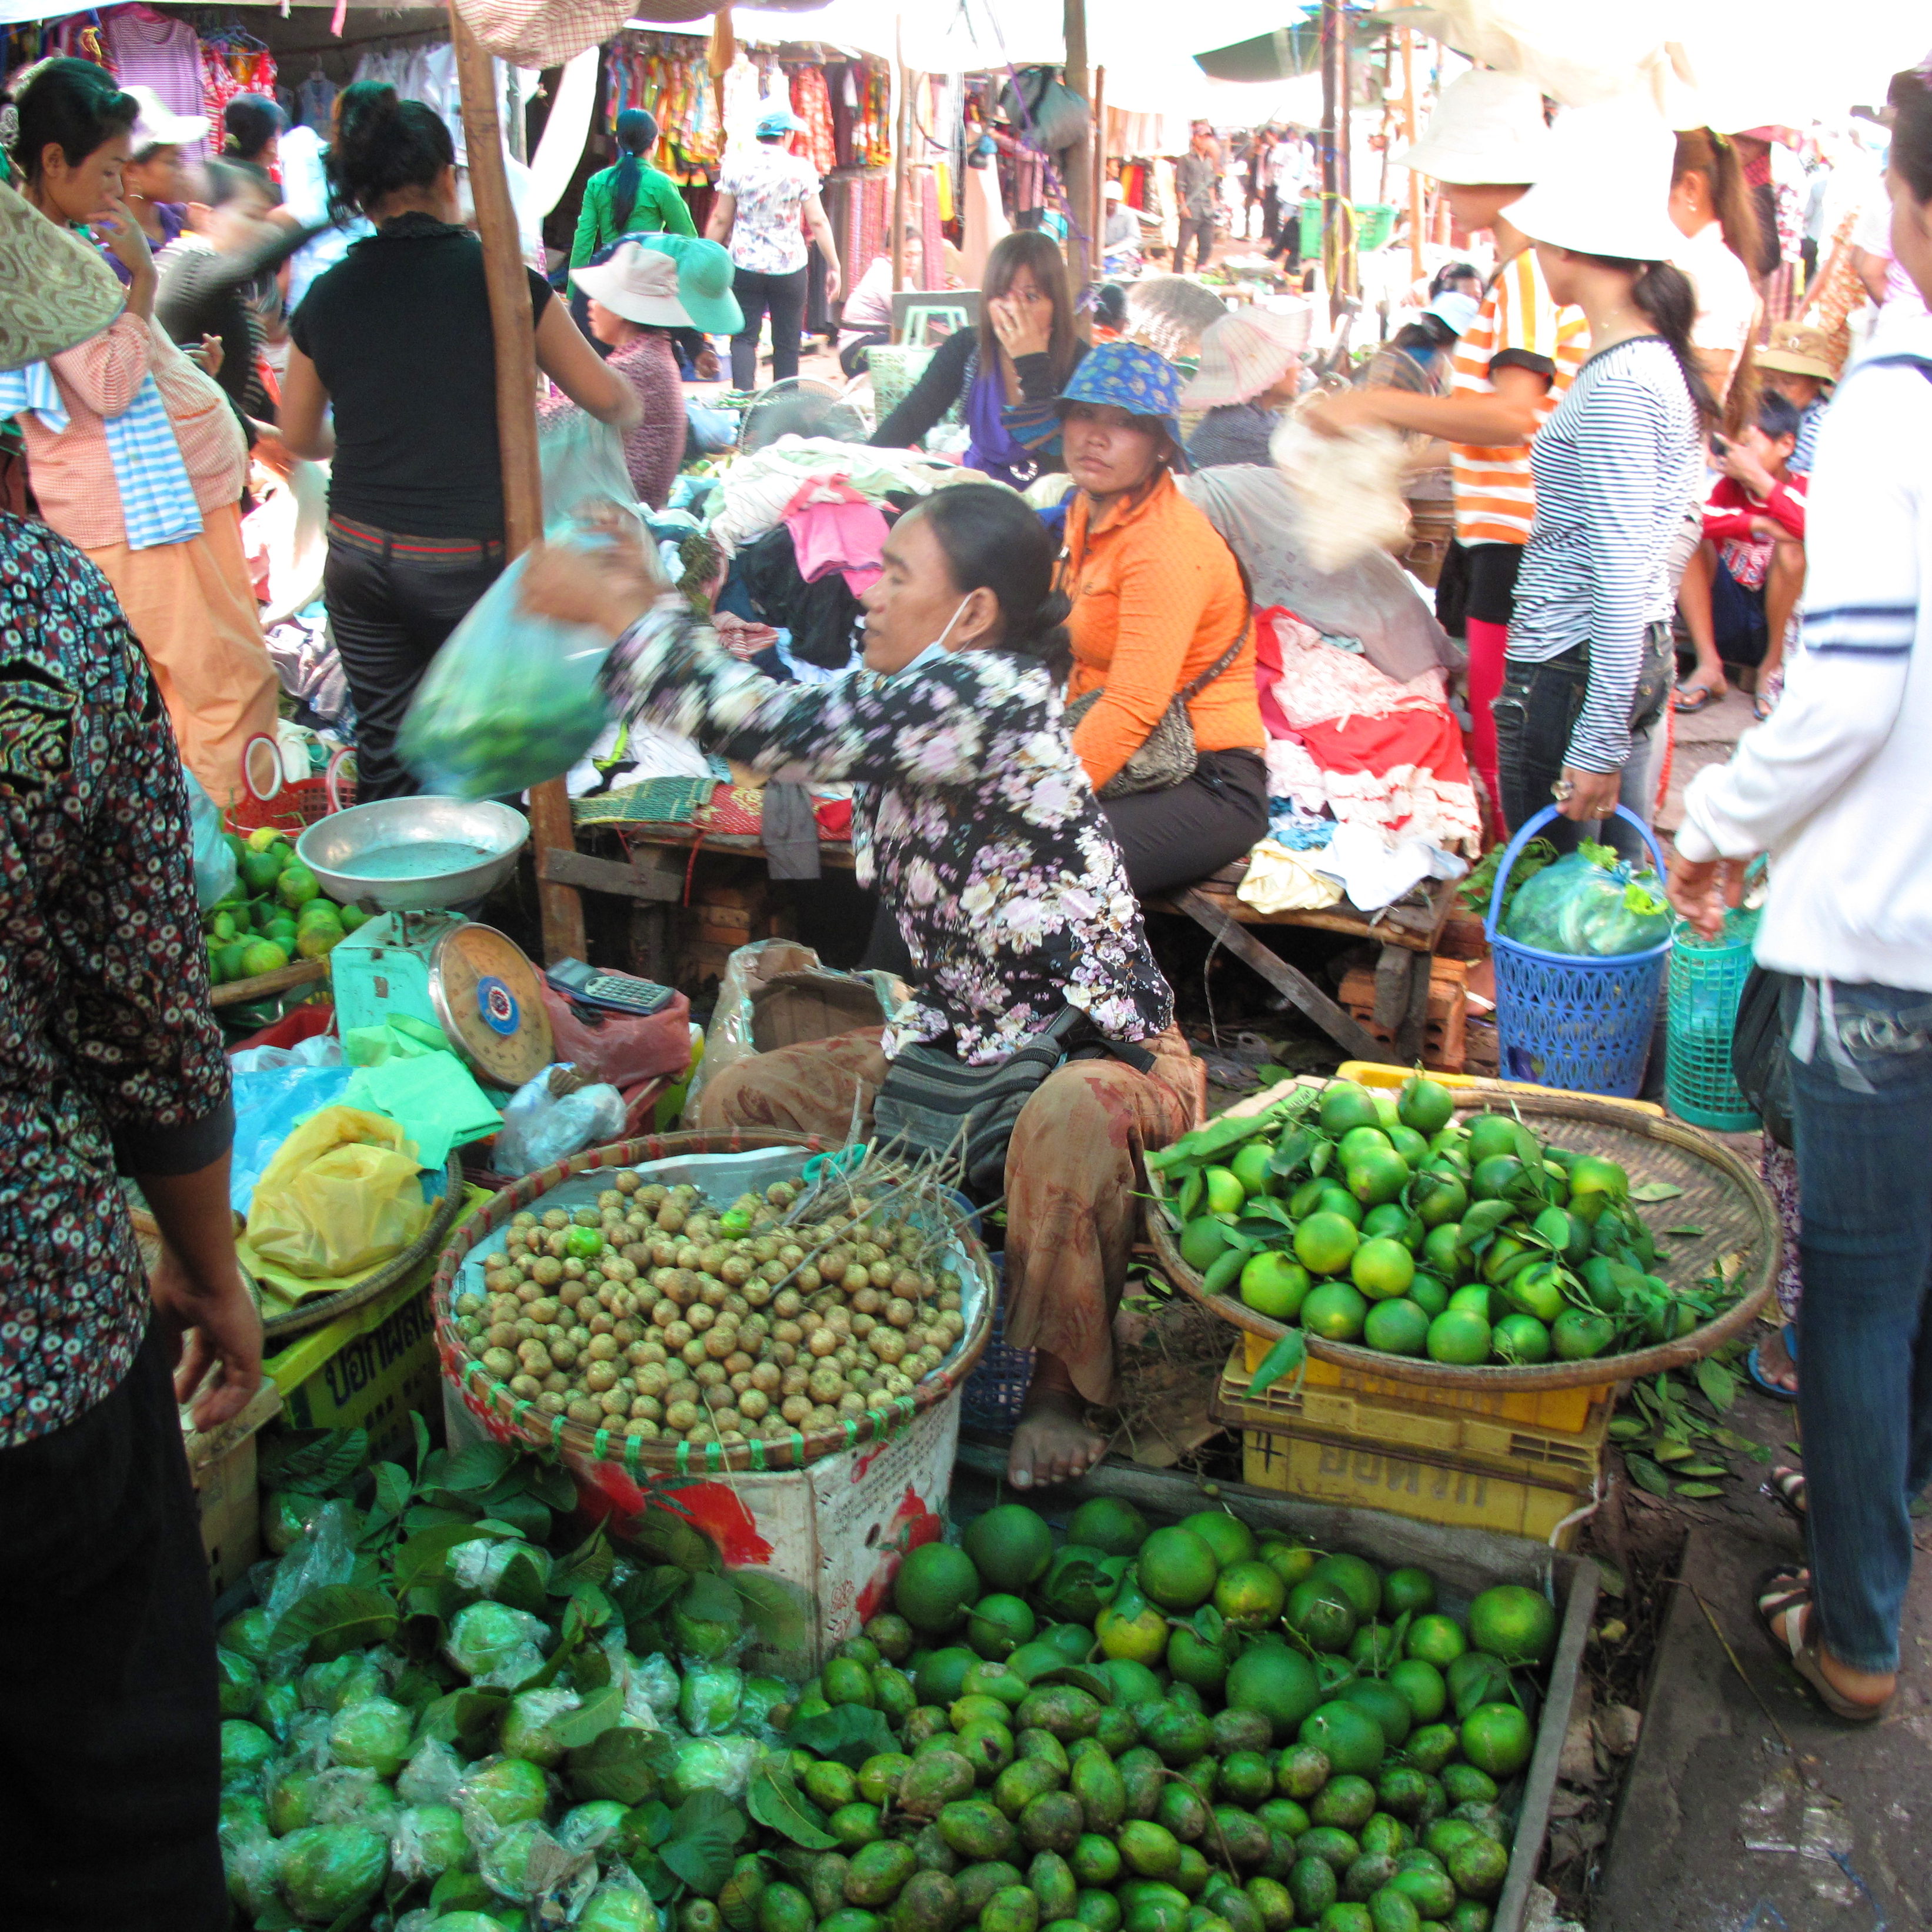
[{"x": 1588, "y": 668}]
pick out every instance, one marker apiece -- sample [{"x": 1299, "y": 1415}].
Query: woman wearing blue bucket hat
[{"x": 1160, "y": 624}]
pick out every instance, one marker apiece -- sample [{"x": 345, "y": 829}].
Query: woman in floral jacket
[{"x": 978, "y": 825}]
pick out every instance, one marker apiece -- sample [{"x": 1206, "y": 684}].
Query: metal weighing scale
[{"x": 407, "y": 862}]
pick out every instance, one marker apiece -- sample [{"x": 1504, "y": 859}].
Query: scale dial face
[{"x": 489, "y": 998}]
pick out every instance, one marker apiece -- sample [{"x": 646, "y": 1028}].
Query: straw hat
[
  {"x": 1798, "y": 349},
  {"x": 1488, "y": 127},
  {"x": 1606, "y": 184},
  {"x": 667, "y": 281},
  {"x": 1245, "y": 352},
  {"x": 54, "y": 291}
]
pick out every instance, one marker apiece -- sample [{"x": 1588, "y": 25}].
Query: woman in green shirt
[{"x": 632, "y": 197}]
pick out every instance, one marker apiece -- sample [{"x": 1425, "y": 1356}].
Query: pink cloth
[
  {"x": 148, "y": 50},
  {"x": 833, "y": 527}
]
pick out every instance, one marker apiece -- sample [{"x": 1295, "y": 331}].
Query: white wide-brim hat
[
  {"x": 1487, "y": 128},
  {"x": 159, "y": 126},
  {"x": 1605, "y": 190},
  {"x": 638, "y": 283}
]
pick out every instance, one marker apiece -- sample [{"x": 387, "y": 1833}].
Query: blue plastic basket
[
  {"x": 1564, "y": 1020},
  {"x": 995, "y": 1392}
]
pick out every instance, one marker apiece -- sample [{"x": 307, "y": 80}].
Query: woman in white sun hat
[
  {"x": 1250, "y": 371},
  {"x": 1486, "y": 144},
  {"x": 1588, "y": 671}
]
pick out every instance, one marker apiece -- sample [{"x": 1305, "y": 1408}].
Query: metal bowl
[{"x": 492, "y": 833}]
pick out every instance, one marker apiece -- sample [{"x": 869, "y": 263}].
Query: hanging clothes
[
  {"x": 811, "y": 102},
  {"x": 146, "y": 49}
]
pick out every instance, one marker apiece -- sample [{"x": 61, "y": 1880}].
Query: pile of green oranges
[{"x": 1381, "y": 1220}]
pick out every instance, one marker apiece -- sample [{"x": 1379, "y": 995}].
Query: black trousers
[
  {"x": 392, "y": 601},
  {"x": 784, "y": 296},
  {"x": 1199, "y": 229},
  {"x": 1174, "y": 837},
  {"x": 853, "y": 347},
  {"x": 110, "y": 1732}
]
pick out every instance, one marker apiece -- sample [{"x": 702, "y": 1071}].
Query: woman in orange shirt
[{"x": 1159, "y": 612}]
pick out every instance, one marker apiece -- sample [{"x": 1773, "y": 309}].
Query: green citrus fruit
[
  {"x": 1579, "y": 1333},
  {"x": 1490, "y": 1135},
  {"x": 935, "y": 1584},
  {"x": 1193, "y": 1661},
  {"x": 1290, "y": 1561},
  {"x": 1359, "y": 1141},
  {"x": 999, "y": 1624},
  {"x": 1409, "y": 1589},
  {"x": 1334, "y": 1311},
  {"x": 1459, "y": 1336},
  {"x": 1536, "y": 1291},
  {"x": 1438, "y": 1252},
  {"x": 1439, "y": 1197},
  {"x": 1494, "y": 1178},
  {"x": 1389, "y": 1219},
  {"x": 1274, "y": 1284},
  {"x": 1133, "y": 1683},
  {"x": 264, "y": 956},
  {"x": 1429, "y": 1295},
  {"x": 1386, "y": 1705},
  {"x": 1397, "y": 1328},
  {"x": 1010, "y": 1547},
  {"x": 1231, "y": 1541},
  {"x": 1202, "y": 1241},
  {"x": 1426, "y": 1104},
  {"x": 1279, "y": 1682},
  {"x": 1108, "y": 1523},
  {"x": 1376, "y": 1177},
  {"x": 1478, "y": 1866},
  {"x": 1521, "y": 1339},
  {"x": 1250, "y": 1594},
  {"x": 1320, "y": 1610},
  {"x": 1590, "y": 1174},
  {"x": 1382, "y": 1268},
  {"x": 1477, "y": 1299},
  {"x": 1176, "y": 1569},
  {"x": 1497, "y": 1738},
  {"x": 1325, "y": 1243},
  {"x": 1224, "y": 1193},
  {"x": 1344, "y": 1104},
  {"x": 1349, "y": 1735},
  {"x": 1250, "y": 1167},
  {"x": 1359, "y": 1580},
  {"x": 1421, "y": 1688},
  {"x": 1334, "y": 1198},
  {"x": 1373, "y": 1648},
  {"x": 1513, "y": 1623},
  {"x": 941, "y": 1675},
  {"x": 1130, "y": 1629},
  {"x": 1301, "y": 1202}
]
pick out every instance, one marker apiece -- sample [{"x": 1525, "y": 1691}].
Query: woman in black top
[
  {"x": 1010, "y": 372},
  {"x": 397, "y": 338}
]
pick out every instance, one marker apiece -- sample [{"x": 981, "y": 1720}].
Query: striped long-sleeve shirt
[{"x": 1617, "y": 466}]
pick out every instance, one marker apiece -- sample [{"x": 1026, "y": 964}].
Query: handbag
[
  {"x": 1167, "y": 754},
  {"x": 1759, "y": 1063},
  {"x": 929, "y": 1094}
]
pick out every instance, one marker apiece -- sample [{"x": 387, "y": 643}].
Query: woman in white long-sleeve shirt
[
  {"x": 1587, "y": 670},
  {"x": 1834, "y": 788}
]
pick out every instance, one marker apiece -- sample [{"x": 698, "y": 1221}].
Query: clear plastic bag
[
  {"x": 215, "y": 871},
  {"x": 708, "y": 1701},
  {"x": 552, "y": 1117},
  {"x": 342, "y": 1194},
  {"x": 582, "y": 464},
  {"x": 1589, "y": 904},
  {"x": 511, "y": 699},
  {"x": 495, "y": 1646},
  {"x": 728, "y": 1038},
  {"x": 326, "y": 1554},
  {"x": 431, "y": 1776}
]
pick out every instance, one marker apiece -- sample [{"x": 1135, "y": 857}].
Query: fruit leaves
[
  {"x": 468, "y": 1719},
  {"x": 337, "y": 1617},
  {"x": 1289, "y": 1356},
  {"x": 1656, "y": 1190},
  {"x": 622, "y": 1764},
  {"x": 775, "y": 1802},
  {"x": 849, "y": 1732},
  {"x": 704, "y": 1840},
  {"x": 1647, "y": 1475},
  {"x": 585, "y": 1725},
  {"x": 1719, "y": 1385}
]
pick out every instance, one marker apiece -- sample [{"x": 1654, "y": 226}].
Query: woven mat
[{"x": 653, "y": 802}]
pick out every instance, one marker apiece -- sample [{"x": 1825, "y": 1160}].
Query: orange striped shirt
[{"x": 1495, "y": 499}]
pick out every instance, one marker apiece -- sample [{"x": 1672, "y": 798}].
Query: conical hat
[{"x": 55, "y": 290}]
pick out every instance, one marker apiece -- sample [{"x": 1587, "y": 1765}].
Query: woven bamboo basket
[
  {"x": 1741, "y": 1240},
  {"x": 511, "y": 1419}
]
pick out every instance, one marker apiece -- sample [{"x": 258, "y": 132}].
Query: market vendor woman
[{"x": 977, "y": 824}]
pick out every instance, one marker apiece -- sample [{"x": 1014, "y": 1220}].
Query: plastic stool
[{"x": 920, "y": 315}]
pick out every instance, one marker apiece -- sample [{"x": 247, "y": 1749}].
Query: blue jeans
[{"x": 1862, "y": 1109}]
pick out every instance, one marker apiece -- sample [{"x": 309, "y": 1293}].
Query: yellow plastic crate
[
  {"x": 1439, "y": 1465},
  {"x": 1375, "y": 1073},
  {"x": 1567, "y": 1410}
]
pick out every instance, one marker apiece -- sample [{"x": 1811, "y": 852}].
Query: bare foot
[
  {"x": 1053, "y": 1443},
  {"x": 1774, "y": 1363}
]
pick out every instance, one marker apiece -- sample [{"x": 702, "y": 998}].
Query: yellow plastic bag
[{"x": 342, "y": 1194}]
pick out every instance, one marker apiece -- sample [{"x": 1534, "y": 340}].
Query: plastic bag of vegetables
[
  {"x": 496, "y": 1646},
  {"x": 1589, "y": 904}
]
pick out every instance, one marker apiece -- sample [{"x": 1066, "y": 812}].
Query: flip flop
[
  {"x": 1782, "y": 1598},
  {"x": 1692, "y": 698},
  {"x": 1787, "y": 1485},
  {"x": 1762, "y": 706},
  {"x": 1755, "y": 1369}
]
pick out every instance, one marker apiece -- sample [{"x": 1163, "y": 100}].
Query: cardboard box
[{"x": 223, "y": 1464}]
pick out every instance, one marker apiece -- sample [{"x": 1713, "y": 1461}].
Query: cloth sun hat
[
  {"x": 1244, "y": 353},
  {"x": 1797, "y": 350},
  {"x": 55, "y": 292},
  {"x": 1605, "y": 188},
  {"x": 669, "y": 281},
  {"x": 778, "y": 121},
  {"x": 159, "y": 126},
  {"x": 1456, "y": 310},
  {"x": 1113, "y": 191},
  {"x": 1127, "y": 376},
  {"x": 1488, "y": 127}
]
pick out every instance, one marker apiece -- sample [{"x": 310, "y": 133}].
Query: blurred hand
[
  {"x": 833, "y": 283},
  {"x": 1337, "y": 412},
  {"x": 211, "y": 1325},
  {"x": 1592, "y": 794},
  {"x": 114, "y": 222},
  {"x": 1741, "y": 466},
  {"x": 206, "y": 354},
  {"x": 608, "y": 587},
  {"x": 707, "y": 367},
  {"x": 1704, "y": 889},
  {"x": 1022, "y": 329}
]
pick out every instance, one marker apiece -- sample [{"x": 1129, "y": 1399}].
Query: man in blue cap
[{"x": 767, "y": 198}]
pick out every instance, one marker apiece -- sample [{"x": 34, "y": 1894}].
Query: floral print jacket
[{"x": 973, "y": 819}]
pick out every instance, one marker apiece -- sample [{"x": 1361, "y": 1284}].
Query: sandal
[
  {"x": 1692, "y": 698},
  {"x": 1755, "y": 1369},
  {"x": 1787, "y": 1485},
  {"x": 1762, "y": 706},
  {"x": 1784, "y": 1602}
]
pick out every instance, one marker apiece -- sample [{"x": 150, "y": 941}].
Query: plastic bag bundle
[
  {"x": 552, "y": 1117},
  {"x": 489, "y": 1568},
  {"x": 428, "y": 1840},
  {"x": 1349, "y": 489},
  {"x": 215, "y": 868},
  {"x": 495, "y": 1646},
  {"x": 1589, "y": 904},
  {"x": 341, "y": 1195},
  {"x": 511, "y": 700},
  {"x": 326, "y": 1554},
  {"x": 431, "y": 1775},
  {"x": 708, "y": 1701},
  {"x": 352, "y": 1795},
  {"x": 583, "y": 464},
  {"x": 619, "y": 1904}
]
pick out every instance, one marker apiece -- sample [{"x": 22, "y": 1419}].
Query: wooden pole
[
  {"x": 561, "y": 909},
  {"x": 1415, "y": 215},
  {"x": 902, "y": 142},
  {"x": 1077, "y": 161},
  {"x": 1332, "y": 29},
  {"x": 1097, "y": 220}
]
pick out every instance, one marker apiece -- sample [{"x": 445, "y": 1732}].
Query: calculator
[{"x": 622, "y": 992}]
